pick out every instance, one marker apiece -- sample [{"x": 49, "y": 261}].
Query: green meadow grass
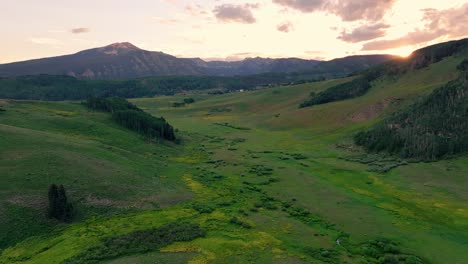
[{"x": 248, "y": 188}]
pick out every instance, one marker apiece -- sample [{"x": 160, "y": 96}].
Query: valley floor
[{"x": 270, "y": 183}]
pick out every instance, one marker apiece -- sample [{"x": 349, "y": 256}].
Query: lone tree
[{"x": 59, "y": 207}]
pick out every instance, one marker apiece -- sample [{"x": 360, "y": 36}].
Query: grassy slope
[
  {"x": 105, "y": 167},
  {"x": 421, "y": 206}
]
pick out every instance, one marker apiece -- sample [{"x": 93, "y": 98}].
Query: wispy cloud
[
  {"x": 80, "y": 30},
  {"x": 450, "y": 23},
  {"x": 347, "y": 10},
  {"x": 364, "y": 32}
]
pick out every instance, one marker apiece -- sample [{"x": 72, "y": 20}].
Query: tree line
[
  {"x": 433, "y": 128},
  {"x": 419, "y": 59},
  {"x": 59, "y": 88},
  {"x": 354, "y": 88},
  {"x": 130, "y": 116}
]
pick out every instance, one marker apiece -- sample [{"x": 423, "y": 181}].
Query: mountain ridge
[{"x": 124, "y": 60}]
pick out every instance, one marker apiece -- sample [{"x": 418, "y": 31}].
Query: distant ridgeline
[
  {"x": 419, "y": 59},
  {"x": 431, "y": 129},
  {"x": 130, "y": 116}
]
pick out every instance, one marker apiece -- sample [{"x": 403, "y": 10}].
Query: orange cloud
[
  {"x": 449, "y": 23},
  {"x": 363, "y": 33}
]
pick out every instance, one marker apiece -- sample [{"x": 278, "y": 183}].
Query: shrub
[
  {"x": 139, "y": 242},
  {"x": 389, "y": 259},
  {"x": 189, "y": 100},
  {"x": 203, "y": 208},
  {"x": 177, "y": 104},
  {"x": 237, "y": 221}
]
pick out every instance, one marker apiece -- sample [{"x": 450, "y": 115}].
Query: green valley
[{"x": 252, "y": 178}]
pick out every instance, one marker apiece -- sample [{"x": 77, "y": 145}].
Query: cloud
[
  {"x": 285, "y": 27},
  {"x": 352, "y": 10},
  {"x": 449, "y": 23},
  {"x": 79, "y": 30},
  {"x": 411, "y": 38},
  {"x": 305, "y": 6},
  {"x": 235, "y": 13},
  {"x": 347, "y": 10},
  {"x": 363, "y": 33}
]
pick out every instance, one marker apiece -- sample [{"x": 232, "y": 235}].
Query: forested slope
[
  {"x": 418, "y": 60},
  {"x": 433, "y": 128}
]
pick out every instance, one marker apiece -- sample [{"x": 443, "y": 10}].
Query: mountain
[
  {"x": 119, "y": 60},
  {"x": 124, "y": 60},
  {"x": 344, "y": 66},
  {"x": 256, "y": 65}
]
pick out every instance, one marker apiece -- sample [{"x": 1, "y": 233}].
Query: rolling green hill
[{"x": 268, "y": 182}]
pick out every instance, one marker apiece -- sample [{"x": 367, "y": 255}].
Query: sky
[{"x": 229, "y": 29}]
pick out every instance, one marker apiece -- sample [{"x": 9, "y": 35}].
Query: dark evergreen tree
[
  {"x": 59, "y": 207},
  {"x": 53, "y": 201}
]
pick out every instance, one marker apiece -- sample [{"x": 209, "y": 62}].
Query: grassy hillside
[
  {"x": 270, "y": 183},
  {"x": 393, "y": 69}
]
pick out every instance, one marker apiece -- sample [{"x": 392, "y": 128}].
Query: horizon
[
  {"x": 213, "y": 59},
  {"x": 232, "y": 31}
]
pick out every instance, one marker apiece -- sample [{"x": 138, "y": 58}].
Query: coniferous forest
[
  {"x": 432, "y": 129},
  {"x": 130, "y": 116},
  {"x": 354, "y": 88}
]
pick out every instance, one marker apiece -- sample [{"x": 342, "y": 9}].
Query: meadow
[{"x": 267, "y": 181}]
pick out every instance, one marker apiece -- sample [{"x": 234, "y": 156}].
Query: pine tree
[
  {"x": 53, "y": 193},
  {"x": 59, "y": 207}
]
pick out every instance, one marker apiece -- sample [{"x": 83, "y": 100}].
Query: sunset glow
[{"x": 232, "y": 30}]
